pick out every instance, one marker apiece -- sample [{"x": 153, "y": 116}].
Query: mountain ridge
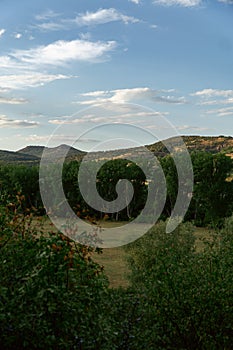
[
  {"x": 38, "y": 150},
  {"x": 31, "y": 155}
]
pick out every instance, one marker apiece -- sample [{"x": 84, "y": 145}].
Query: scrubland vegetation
[{"x": 178, "y": 295}]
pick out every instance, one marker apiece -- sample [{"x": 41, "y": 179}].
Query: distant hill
[
  {"x": 212, "y": 144},
  {"x": 72, "y": 153},
  {"x": 18, "y": 158},
  {"x": 31, "y": 155},
  {"x": 32, "y": 150}
]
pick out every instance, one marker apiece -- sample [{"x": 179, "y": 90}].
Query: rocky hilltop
[{"x": 212, "y": 144}]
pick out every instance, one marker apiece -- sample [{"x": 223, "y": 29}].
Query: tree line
[{"x": 212, "y": 197}]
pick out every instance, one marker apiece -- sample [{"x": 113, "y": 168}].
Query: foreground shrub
[
  {"x": 186, "y": 298},
  {"x": 54, "y": 296},
  {"x": 50, "y": 289}
]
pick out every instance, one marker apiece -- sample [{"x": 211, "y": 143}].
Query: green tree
[
  {"x": 107, "y": 179},
  {"x": 213, "y": 192}
]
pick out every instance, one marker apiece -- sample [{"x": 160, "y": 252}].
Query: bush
[
  {"x": 50, "y": 289},
  {"x": 186, "y": 297},
  {"x": 54, "y": 296}
]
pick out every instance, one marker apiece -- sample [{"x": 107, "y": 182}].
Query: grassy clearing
[
  {"x": 114, "y": 259},
  {"x": 115, "y": 264}
]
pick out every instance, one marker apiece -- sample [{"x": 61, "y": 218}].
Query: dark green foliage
[
  {"x": 21, "y": 179},
  {"x": 54, "y": 296},
  {"x": 213, "y": 193},
  {"x": 112, "y": 172},
  {"x": 50, "y": 289},
  {"x": 186, "y": 297},
  {"x": 212, "y": 196}
]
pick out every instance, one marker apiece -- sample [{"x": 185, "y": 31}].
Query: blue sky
[{"x": 88, "y": 71}]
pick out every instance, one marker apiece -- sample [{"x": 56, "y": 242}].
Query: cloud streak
[
  {"x": 12, "y": 101},
  {"x": 16, "y": 123},
  {"x": 210, "y": 97},
  {"x": 207, "y": 93},
  {"x": 58, "y": 53},
  {"x": 51, "y": 26},
  {"x": 182, "y": 3},
  {"x": 46, "y": 15},
  {"x": 135, "y": 1},
  {"x": 98, "y": 117},
  {"x": 103, "y": 16},
  {"x": 99, "y": 17},
  {"x": 221, "y": 112},
  {"x": 227, "y": 2},
  {"x": 191, "y": 128},
  {"x": 2, "y": 31},
  {"x": 28, "y": 80},
  {"x": 122, "y": 96}
]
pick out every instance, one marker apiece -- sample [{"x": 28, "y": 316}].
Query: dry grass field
[{"x": 114, "y": 260}]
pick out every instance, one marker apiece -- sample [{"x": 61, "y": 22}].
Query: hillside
[
  {"x": 55, "y": 152},
  {"x": 18, "y": 158},
  {"x": 32, "y": 150},
  {"x": 212, "y": 144},
  {"x": 31, "y": 155}
]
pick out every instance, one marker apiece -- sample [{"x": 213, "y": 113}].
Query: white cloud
[
  {"x": 35, "y": 115},
  {"x": 207, "y": 93},
  {"x": 228, "y": 2},
  {"x": 191, "y": 128},
  {"x": 24, "y": 64},
  {"x": 46, "y": 15},
  {"x": 210, "y": 97},
  {"x": 228, "y": 101},
  {"x": 95, "y": 93},
  {"x": 85, "y": 36},
  {"x": 70, "y": 121},
  {"x": 59, "y": 138},
  {"x": 135, "y": 1},
  {"x": 103, "y": 16},
  {"x": 23, "y": 81},
  {"x": 208, "y": 103},
  {"x": 3, "y": 90},
  {"x": 12, "y": 101},
  {"x": 153, "y": 26},
  {"x": 127, "y": 95},
  {"x": 58, "y": 53},
  {"x": 18, "y": 35},
  {"x": 121, "y": 96},
  {"x": 184, "y": 3},
  {"x": 216, "y": 102},
  {"x": 37, "y": 138},
  {"x": 2, "y": 31},
  {"x": 221, "y": 112},
  {"x": 50, "y": 26},
  {"x": 95, "y": 118},
  {"x": 16, "y": 123},
  {"x": 48, "y": 21},
  {"x": 7, "y": 62}
]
